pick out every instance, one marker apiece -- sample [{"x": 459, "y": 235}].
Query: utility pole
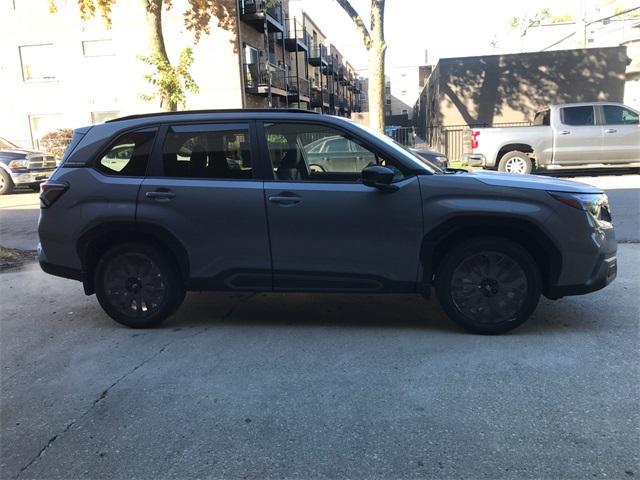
[{"x": 581, "y": 24}]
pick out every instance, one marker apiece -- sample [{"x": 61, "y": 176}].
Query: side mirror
[{"x": 379, "y": 177}]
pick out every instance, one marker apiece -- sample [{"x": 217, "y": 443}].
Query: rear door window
[
  {"x": 129, "y": 155},
  {"x": 207, "y": 151},
  {"x": 578, "y": 116}
]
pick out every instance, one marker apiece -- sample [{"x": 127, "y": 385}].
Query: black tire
[
  {"x": 515, "y": 162},
  {"x": 488, "y": 285},
  {"x": 6, "y": 184},
  {"x": 138, "y": 285}
]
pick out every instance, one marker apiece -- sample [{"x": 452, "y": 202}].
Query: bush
[{"x": 57, "y": 142}]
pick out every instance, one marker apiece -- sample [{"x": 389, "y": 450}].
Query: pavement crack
[
  {"x": 235, "y": 306},
  {"x": 100, "y": 398},
  {"x": 106, "y": 391}
]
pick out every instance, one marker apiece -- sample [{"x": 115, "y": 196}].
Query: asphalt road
[
  {"x": 19, "y": 212},
  {"x": 317, "y": 386}
]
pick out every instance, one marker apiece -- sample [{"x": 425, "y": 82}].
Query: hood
[{"x": 534, "y": 182}]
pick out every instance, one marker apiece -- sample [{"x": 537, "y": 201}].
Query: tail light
[
  {"x": 474, "y": 138},
  {"x": 50, "y": 192}
]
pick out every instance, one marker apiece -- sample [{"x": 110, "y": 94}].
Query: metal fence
[
  {"x": 455, "y": 140},
  {"x": 404, "y": 135}
]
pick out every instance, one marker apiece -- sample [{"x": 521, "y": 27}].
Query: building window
[
  {"x": 41, "y": 125},
  {"x": 405, "y": 111},
  {"x": 101, "y": 117},
  {"x": 387, "y": 90},
  {"x": 97, "y": 48},
  {"x": 388, "y": 101},
  {"x": 38, "y": 62}
]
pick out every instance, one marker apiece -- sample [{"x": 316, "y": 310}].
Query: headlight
[
  {"x": 18, "y": 164},
  {"x": 597, "y": 204}
]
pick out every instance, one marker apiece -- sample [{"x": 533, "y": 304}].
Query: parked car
[
  {"x": 176, "y": 216},
  {"x": 23, "y": 168},
  {"x": 576, "y": 135},
  {"x": 336, "y": 154},
  {"x": 435, "y": 159}
]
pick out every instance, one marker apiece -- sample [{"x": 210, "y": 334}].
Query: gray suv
[{"x": 147, "y": 207}]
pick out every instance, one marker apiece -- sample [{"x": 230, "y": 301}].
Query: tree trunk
[
  {"x": 376, "y": 66},
  {"x": 153, "y": 9}
]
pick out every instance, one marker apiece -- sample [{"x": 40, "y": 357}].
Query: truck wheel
[
  {"x": 515, "y": 162},
  {"x": 488, "y": 285},
  {"x": 138, "y": 285},
  {"x": 6, "y": 184}
]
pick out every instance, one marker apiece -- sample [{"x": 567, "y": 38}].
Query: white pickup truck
[{"x": 578, "y": 135}]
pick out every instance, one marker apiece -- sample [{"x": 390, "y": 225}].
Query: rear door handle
[
  {"x": 160, "y": 195},
  {"x": 565, "y": 132},
  {"x": 285, "y": 200},
  {"x": 610, "y": 130}
]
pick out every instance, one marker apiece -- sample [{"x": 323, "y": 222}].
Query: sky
[{"x": 445, "y": 28}]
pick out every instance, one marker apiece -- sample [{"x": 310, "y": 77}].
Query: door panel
[
  {"x": 578, "y": 140},
  {"x": 344, "y": 236},
  {"x": 621, "y": 135},
  {"x": 203, "y": 193}
]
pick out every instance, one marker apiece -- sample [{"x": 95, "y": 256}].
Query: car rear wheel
[
  {"x": 515, "y": 162},
  {"x": 6, "y": 184},
  {"x": 138, "y": 285},
  {"x": 488, "y": 285}
]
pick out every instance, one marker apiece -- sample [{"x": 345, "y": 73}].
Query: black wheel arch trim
[
  {"x": 121, "y": 231},
  {"x": 459, "y": 227}
]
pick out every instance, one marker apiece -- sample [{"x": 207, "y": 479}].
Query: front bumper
[
  {"x": 604, "y": 273},
  {"x": 26, "y": 177},
  {"x": 474, "y": 160}
]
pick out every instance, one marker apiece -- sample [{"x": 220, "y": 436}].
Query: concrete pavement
[{"x": 317, "y": 386}]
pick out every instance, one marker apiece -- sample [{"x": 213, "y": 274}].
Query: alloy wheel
[
  {"x": 134, "y": 285},
  {"x": 516, "y": 165},
  {"x": 489, "y": 287}
]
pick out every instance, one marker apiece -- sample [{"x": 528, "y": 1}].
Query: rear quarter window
[{"x": 128, "y": 155}]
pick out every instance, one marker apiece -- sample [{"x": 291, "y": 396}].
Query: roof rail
[{"x": 223, "y": 110}]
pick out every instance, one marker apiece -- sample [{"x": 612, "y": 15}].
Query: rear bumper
[
  {"x": 474, "y": 160},
  {"x": 58, "y": 270}
]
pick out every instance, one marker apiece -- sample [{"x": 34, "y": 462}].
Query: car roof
[
  {"x": 585, "y": 104},
  {"x": 240, "y": 112}
]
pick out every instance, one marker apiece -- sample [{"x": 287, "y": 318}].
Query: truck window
[
  {"x": 542, "y": 118},
  {"x": 614, "y": 115},
  {"x": 578, "y": 116}
]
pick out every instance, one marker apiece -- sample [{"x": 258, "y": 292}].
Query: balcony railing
[
  {"x": 297, "y": 38},
  {"x": 318, "y": 56},
  {"x": 259, "y": 12},
  {"x": 298, "y": 88},
  {"x": 260, "y": 79}
]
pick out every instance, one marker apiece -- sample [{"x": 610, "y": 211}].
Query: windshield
[
  {"x": 404, "y": 151},
  {"x": 6, "y": 144}
]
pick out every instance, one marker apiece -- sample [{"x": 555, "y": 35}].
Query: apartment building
[{"x": 59, "y": 71}]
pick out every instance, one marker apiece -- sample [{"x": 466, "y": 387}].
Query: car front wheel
[
  {"x": 6, "y": 184},
  {"x": 488, "y": 285},
  {"x": 138, "y": 285},
  {"x": 516, "y": 162}
]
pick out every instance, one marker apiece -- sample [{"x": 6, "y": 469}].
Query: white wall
[{"x": 107, "y": 83}]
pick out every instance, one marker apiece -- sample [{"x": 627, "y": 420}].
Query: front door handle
[
  {"x": 565, "y": 132},
  {"x": 284, "y": 199},
  {"x": 610, "y": 130},
  {"x": 160, "y": 194}
]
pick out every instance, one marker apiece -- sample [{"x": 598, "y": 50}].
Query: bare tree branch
[{"x": 357, "y": 19}]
